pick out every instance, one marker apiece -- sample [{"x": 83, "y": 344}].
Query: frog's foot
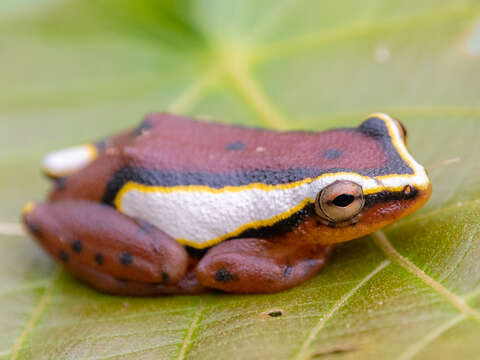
[
  {"x": 107, "y": 249},
  {"x": 106, "y": 283},
  {"x": 259, "y": 266}
]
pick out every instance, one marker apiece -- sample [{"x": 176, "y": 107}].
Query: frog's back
[{"x": 184, "y": 151}]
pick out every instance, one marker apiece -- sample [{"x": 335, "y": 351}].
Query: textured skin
[{"x": 80, "y": 220}]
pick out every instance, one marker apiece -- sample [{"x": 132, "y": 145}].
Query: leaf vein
[
  {"x": 25, "y": 287},
  {"x": 191, "y": 330},
  {"x": 36, "y": 314},
  {"x": 252, "y": 93},
  {"x": 431, "y": 336},
  {"x": 191, "y": 95},
  {"x": 387, "y": 248},
  {"x": 303, "y": 353}
]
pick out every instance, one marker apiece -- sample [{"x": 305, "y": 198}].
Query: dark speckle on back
[
  {"x": 237, "y": 145},
  {"x": 332, "y": 154}
]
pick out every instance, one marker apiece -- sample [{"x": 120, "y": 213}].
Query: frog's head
[{"x": 354, "y": 203}]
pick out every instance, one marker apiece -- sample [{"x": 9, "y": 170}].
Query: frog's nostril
[{"x": 407, "y": 190}]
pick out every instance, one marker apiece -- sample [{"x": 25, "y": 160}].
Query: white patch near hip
[{"x": 66, "y": 161}]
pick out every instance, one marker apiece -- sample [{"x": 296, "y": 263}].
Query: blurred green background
[{"x": 76, "y": 70}]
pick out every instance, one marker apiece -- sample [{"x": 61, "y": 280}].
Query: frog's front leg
[
  {"x": 260, "y": 266},
  {"x": 109, "y": 250}
]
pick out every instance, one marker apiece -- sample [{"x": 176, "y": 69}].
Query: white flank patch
[
  {"x": 200, "y": 216},
  {"x": 66, "y": 161}
]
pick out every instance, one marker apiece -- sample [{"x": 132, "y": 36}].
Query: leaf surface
[{"x": 75, "y": 70}]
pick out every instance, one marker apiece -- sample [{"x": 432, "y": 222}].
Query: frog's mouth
[
  {"x": 409, "y": 192},
  {"x": 388, "y": 206}
]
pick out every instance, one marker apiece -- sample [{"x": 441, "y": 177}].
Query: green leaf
[{"x": 73, "y": 70}]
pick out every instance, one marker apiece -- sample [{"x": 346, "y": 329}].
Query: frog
[{"x": 184, "y": 206}]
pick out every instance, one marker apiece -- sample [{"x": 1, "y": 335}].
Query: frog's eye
[
  {"x": 402, "y": 129},
  {"x": 340, "y": 201}
]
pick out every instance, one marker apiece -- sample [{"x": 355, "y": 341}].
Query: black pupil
[{"x": 344, "y": 200}]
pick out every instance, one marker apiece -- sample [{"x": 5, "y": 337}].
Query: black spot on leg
[
  {"x": 223, "y": 275},
  {"x": 237, "y": 145},
  {"x": 77, "y": 246},
  {"x": 332, "y": 154},
  {"x": 99, "y": 259},
  {"x": 287, "y": 271},
  {"x": 165, "y": 277},
  {"x": 126, "y": 259},
  {"x": 63, "y": 256}
]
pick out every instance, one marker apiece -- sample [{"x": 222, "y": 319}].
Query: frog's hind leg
[
  {"x": 260, "y": 266},
  {"x": 109, "y": 250}
]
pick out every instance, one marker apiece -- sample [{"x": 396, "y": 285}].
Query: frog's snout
[{"x": 424, "y": 195}]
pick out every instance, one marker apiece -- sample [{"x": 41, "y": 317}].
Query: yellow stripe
[
  {"x": 92, "y": 151},
  {"x": 196, "y": 188}
]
